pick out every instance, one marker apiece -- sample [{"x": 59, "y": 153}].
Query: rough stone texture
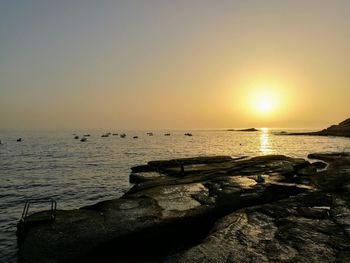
[
  {"x": 297, "y": 229},
  {"x": 136, "y": 178},
  {"x": 262, "y": 209},
  {"x": 158, "y": 166}
]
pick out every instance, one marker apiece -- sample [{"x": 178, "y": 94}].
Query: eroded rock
[
  {"x": 264, "y": 208},
  {"x": 297, "y": 229}
]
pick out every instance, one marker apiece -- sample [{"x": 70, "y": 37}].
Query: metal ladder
[
  {"x": 22, "y": 225},
  {"x": 39, "y": 200}
]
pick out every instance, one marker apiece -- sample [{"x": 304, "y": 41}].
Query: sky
[{"x": 174, "y": 64}]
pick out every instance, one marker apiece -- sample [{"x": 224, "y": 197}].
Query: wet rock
[
  {"x": 284, "y": 231},
  {"x": 77, "y": 234},
  {"x": 136, "y": 178},
  {"x": 337, "y": 176},
  {"x": 161, "y": 165},
  {"x": 284, "y": 166},
  {"x": 320, "y": 165},
  {"x": 307, "y": 171},
  {"x": 254, "y": 209}
]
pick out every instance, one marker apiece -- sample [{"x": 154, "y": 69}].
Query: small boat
[
  {"x": 19, "y": 139},
  {"x": 123, "y": 135},
  {"x": 188, "y": 134},
  {"x": 84, "y": 139},
  {"x": 135, "y": 137},
  {"x": 76, "y": 137},
  {"x": 105, "y": 135},
  {"x": 167, "y": 134},
  {"x": 87, "y": 135},
  {"x": 115, "y": 134},
  {"x": 150, "y": 133}
]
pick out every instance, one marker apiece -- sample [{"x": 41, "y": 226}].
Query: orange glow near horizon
[
  {"x": 263, "y": 99},
  {"x": 174, "y": 64}
]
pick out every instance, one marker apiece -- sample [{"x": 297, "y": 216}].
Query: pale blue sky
[{"x": 172, "y": 64}]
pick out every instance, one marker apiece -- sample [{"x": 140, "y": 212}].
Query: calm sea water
[{"x": 75, "y": 174}]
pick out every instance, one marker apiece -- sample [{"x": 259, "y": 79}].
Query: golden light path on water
[{"x": 265, "y": 145}]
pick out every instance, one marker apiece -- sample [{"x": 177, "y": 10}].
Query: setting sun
[
  {"x": 263, "y": 101},
  {"x": 152, "y": 124},
  {"x": 264, "y": 97},
  {"x": 264, "y": 104}
]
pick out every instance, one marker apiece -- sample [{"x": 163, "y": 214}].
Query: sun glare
[
  {"x": 264, "y": 104},
  {"x": 263, "y": 101}
]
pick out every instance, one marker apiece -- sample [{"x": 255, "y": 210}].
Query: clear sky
[{"x": 174, "y": 64}]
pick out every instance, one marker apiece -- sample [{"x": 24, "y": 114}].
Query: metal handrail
[{"x": 39, "y": 200}]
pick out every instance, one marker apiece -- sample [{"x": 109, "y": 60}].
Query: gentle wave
[{"x": 53, "y": 164}]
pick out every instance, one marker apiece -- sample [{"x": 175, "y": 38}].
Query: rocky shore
[
  {"x": 208, "y": 209},
  {"x": 342, "y": 129}
]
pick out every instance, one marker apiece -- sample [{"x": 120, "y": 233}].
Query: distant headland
[
  {"x": 244, "y": 130},
  {"x": 342, "y": 129}
]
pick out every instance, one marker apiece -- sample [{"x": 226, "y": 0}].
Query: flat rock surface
[{"x": 212, "y": 209}]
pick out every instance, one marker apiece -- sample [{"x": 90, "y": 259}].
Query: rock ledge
[{"x": 208, "y": 209}]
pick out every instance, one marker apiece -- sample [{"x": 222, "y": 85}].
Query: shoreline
[
  {"x": 340, "y": 130},
  {"x": 174, "y": 204}
]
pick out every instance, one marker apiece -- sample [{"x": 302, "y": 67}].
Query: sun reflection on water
[{"x": 265, "y": 145}]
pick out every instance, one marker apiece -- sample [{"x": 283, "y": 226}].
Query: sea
[{"x": 52, "y": 164}]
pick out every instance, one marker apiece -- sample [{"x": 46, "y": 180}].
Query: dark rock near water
[
  {"x": 249, "y": 130},
  {"x": 176, "y": 163},
  {"x": 297, "y": 229},
  {"x": 216, "y": 209},
  {"x": 320, "y": 165},
  {"x": 244, "y": 130},
  {"x": 342, "y": 129},
  {"x": 136, "y": 178}
]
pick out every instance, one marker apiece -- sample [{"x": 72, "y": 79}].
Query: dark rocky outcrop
[
  {"x": 249, "y": 130},
  {"x": 244, "y": 130},
  {"x": 155, "y": 166},
  {"x": 217, "y": 209},
  {"x": 298, "y": 229},
  {"x": 342, "y": 129},
  {"x": 311, "y": 227}
]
